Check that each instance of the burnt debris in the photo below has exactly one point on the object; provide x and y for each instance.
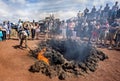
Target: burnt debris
(67, 58)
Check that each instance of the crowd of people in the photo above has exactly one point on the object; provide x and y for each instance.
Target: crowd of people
(5, 30)
(23, 31)
(99, 26)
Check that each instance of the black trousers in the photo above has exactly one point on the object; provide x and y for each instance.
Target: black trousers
(4, 35)
(33, 33)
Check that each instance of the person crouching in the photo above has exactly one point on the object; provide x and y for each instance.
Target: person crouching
(23, 37)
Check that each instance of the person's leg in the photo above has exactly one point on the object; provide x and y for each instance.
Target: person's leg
(36, 35)
(33, 33)
(89, 36)
(67, 33)
(4, 35)
(105, 40)
(110, 35)
(21, 39)
(92, 36)
(97, 38)
(111, 40)
(106, 37)
(28, 32)
(103, 37)
(46, 36)
(21, 42)
(9, 34)
(116, 41)
(26, 42)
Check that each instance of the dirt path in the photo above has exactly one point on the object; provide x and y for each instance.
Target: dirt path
(14, 65)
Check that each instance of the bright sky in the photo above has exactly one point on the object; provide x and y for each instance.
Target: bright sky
(37, 9)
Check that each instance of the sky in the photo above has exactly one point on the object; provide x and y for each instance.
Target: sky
(13, 10)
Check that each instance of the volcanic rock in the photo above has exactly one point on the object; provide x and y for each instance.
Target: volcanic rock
(67, 58)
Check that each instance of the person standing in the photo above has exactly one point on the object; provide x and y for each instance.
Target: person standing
(19, 25)
(118, 13)
(86, 11)
(23, 37)
(95, 32)
(104, 30)
(63, 28)
(37, 30)
(24, 34)
(105, 11)
(19, 28)
(3, 31)
(93, 12)
(9, 29)
(115, 9)
(112, 32)
(33, 28)
(99, 12)
(1, 34)
(5, 26)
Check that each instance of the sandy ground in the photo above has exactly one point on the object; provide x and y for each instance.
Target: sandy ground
(14, 65)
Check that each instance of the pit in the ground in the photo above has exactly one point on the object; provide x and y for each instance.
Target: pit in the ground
(67, 58)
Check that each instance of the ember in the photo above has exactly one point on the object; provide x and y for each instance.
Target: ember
(42, 57)
(66, 58)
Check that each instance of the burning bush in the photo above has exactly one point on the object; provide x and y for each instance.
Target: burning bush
(65, 58)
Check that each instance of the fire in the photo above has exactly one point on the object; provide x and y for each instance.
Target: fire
(42, 57)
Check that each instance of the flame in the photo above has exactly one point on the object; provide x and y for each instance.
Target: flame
(42, 57)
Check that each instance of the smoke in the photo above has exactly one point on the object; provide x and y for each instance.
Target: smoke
(71, 49)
